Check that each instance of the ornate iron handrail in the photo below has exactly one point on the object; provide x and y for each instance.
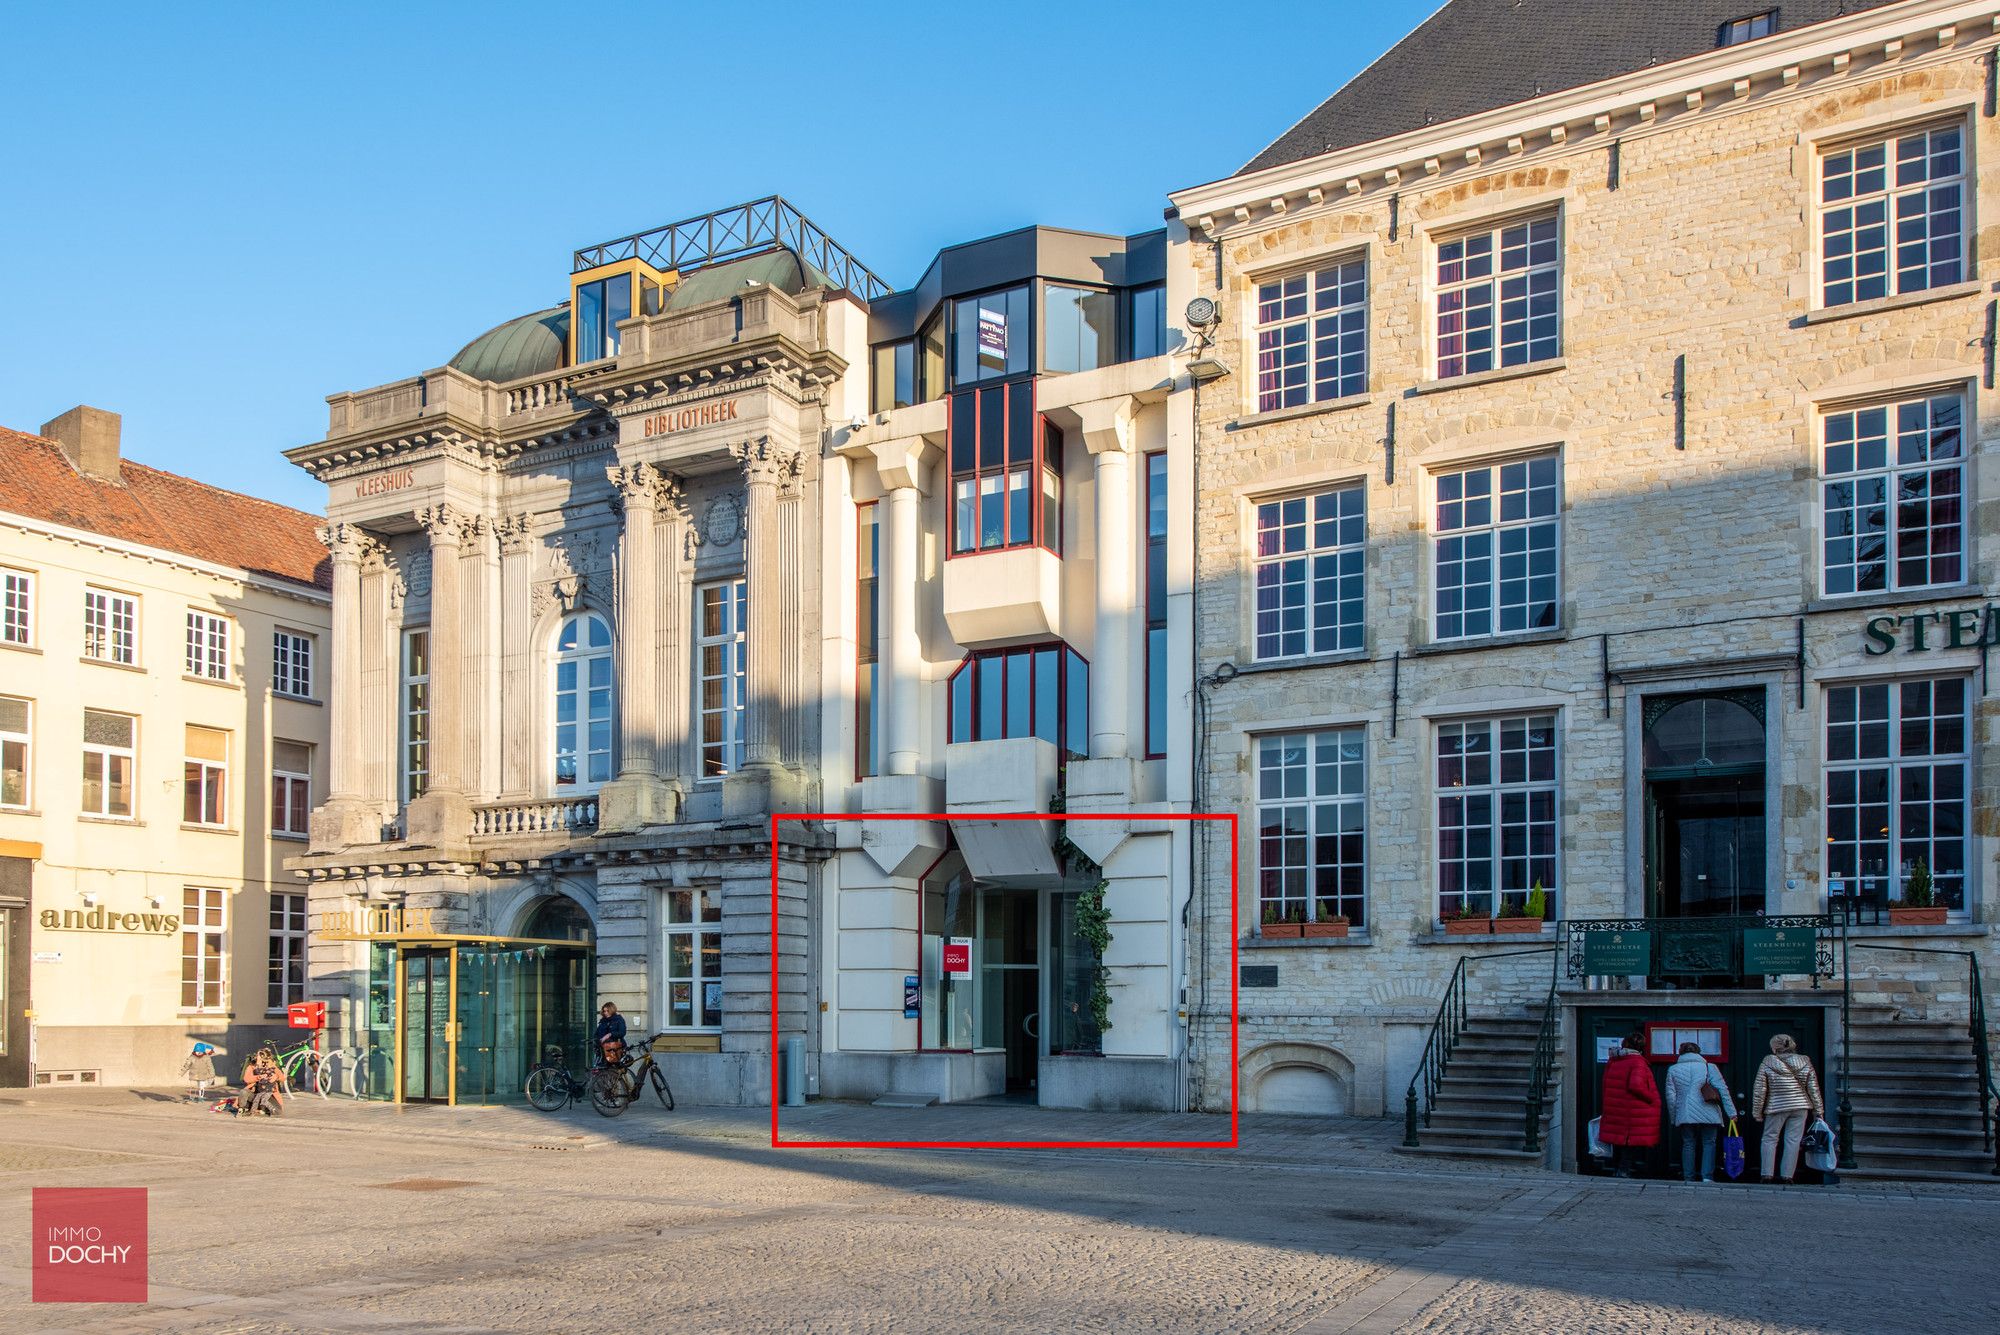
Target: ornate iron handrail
(1446, 1029)
(1702, 947)
(1981, 1050)
(735, 233)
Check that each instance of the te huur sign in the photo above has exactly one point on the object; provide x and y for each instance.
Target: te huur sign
(1780, 950)
(1920, 632)
(375, 924)
(1617, 954)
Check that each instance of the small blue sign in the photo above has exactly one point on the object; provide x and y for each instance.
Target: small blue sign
(912, 996)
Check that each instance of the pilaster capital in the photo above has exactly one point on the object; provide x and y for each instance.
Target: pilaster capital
(639, 486)
(476, 535)
(347, 543)
(442, 523)
(904, 461)
(513, 532)
(766, 463)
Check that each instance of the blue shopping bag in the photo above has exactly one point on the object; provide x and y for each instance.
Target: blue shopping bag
(1732, 1151)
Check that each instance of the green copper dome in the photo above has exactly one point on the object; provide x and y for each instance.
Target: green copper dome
(529, 345)
(776, 268)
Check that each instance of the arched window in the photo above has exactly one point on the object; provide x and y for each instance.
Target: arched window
(583, 703)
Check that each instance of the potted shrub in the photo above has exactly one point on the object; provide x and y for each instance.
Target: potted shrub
(1289, 926)
(1462, 921)
(1515, 920)
(1919, 906)
(1326, 922)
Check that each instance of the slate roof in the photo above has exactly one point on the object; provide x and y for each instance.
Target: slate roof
(1477, 55)
(158, 509)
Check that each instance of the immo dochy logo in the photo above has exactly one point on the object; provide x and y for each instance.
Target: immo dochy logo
(90, 1245)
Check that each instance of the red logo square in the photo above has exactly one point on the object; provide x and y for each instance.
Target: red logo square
(90, 1245)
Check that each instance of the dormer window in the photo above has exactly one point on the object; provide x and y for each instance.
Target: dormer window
(603, 298)
(1748, 28)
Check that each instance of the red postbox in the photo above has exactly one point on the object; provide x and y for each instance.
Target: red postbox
(306, 1015)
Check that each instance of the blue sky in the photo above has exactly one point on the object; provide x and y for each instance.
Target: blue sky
(220, 214)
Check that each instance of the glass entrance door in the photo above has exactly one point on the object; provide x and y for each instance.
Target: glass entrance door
(426, 1064)
(1010, 981)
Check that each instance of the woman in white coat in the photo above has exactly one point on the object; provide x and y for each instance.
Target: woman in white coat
(1697, 1101)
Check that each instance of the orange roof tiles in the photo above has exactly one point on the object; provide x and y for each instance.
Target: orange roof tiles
(164, 510)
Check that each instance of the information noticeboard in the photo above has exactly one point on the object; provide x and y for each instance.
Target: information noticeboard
(1780, 950)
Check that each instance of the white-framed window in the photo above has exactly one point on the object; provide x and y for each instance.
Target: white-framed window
(1892, 215)
(109, 756)
(291, 788)
(203, 949)
(1893, 495)
(207, 646)
(1312, 820)
(1312, 336)
(1496, 812)
(1499, 296)
(292, 664)
(582, 744)
(720, 613)
(17, 608)
(17, 745)
(1495, 545)
(414, 727)
(1897, 786)
(205, 777)
(285, 980)
(110, 627)
(1309, 578)
(693, 950)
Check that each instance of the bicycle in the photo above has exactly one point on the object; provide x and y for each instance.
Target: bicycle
(302, 1068)
(552, 1085)
(613, 1088)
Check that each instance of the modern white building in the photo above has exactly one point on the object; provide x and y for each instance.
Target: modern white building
(1010, 622)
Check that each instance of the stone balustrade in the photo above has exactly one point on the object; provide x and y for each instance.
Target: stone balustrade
(510, 820)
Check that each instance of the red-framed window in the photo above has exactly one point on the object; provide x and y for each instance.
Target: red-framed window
(867, 633)
(1006, 471)
(1156, 605)
(1036, 690)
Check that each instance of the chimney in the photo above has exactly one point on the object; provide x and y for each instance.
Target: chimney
(89, 438)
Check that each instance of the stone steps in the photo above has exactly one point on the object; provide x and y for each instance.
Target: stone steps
(1481, 1111)
(1912, 1086)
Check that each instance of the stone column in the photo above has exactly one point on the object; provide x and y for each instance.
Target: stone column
(673, 647)
(443, 816)
(517, 751)
(762, 783)
(903, 466)
(636, 798)
(345, 818)
(479, 649)
(1119, 616)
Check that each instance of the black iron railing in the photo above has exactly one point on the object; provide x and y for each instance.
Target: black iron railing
(1547, 1040)
(735, 233)
(1982, 1053)
(1420, 1100)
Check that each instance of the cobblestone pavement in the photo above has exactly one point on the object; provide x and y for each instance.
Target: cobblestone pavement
(361, 1218)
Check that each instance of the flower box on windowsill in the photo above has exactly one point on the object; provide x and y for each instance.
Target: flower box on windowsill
(1282, 929)
(1468, 926)
(1522, 926)
(1330, 927)
(1906, 917)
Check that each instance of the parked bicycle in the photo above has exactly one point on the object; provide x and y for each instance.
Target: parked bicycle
(303, 1068)
(552, 1085)
(614, 1086)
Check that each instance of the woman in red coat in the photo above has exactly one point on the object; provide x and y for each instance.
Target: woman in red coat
(1631, 1109)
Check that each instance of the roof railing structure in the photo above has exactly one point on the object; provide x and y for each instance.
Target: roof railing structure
(763, 225)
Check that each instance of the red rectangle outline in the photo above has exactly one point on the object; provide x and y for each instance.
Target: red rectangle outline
(1235, 1010)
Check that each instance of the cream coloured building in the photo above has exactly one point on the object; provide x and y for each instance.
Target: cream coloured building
(1590, 452)
(163, 736)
